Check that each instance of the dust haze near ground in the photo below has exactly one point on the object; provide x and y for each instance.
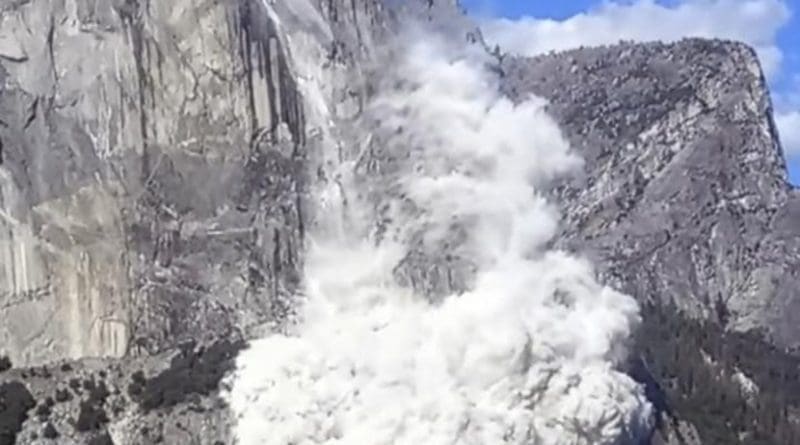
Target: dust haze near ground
(529, 353)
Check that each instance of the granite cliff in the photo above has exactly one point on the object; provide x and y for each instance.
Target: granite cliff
(686, 196)
(686, 205)
(160, 164)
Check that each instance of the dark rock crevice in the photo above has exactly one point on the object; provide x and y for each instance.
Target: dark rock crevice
(15, 403)
(193, 371)
(265, 61)
(130, 13)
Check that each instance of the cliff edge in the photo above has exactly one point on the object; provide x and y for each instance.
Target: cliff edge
(157, 161)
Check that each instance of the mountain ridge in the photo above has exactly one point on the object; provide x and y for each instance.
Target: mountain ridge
(156, 190)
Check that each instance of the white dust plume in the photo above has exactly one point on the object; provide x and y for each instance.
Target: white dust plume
(528, 356)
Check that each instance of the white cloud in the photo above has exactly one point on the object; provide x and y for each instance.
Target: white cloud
(788, 97)
(789, 131)
(755, 22)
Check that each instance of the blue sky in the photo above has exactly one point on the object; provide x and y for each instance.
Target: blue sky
(771, 26)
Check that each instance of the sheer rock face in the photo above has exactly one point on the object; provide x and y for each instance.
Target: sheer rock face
(151, 176)
(153, 159)
(156, 159)
(685, 196)
(154, 173)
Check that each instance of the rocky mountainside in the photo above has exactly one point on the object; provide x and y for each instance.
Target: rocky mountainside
(685, 197)
(686, 205)
(159, 163)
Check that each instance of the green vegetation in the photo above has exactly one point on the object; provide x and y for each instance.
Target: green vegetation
(689, 368)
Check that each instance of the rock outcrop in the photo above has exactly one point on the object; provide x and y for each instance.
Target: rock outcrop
(151, 180)
(685, 197)
(685, 204)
